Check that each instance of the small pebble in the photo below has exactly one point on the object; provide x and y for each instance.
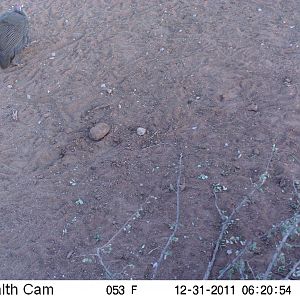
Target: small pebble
(70, 254)
(99, 131)
(141, 131)
(106, 89)
(229, 252)
(287, 81)
(79, 202)
(253, 107)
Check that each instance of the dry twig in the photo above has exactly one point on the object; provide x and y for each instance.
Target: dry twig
(234, 261)
(291, 229)
(157, 264)
(251, 270)
(107, 272)
(124, 225)
(296, 265)
(227, 221)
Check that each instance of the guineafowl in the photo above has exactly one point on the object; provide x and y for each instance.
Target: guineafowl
(14, 30)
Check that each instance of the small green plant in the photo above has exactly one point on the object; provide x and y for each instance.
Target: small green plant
(217, 188)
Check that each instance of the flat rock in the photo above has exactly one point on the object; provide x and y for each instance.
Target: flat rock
(253, 107)
(99, 131)
(141, 131)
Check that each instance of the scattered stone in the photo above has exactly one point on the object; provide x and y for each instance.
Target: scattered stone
(287, 81)
(73, 182)
(70, 254)
(15, 115)
(141, 131)
(79, 202)
(99, 131)
(217, 188)
(28, 97)
(171, 188)
(253, 107)
(106, 89)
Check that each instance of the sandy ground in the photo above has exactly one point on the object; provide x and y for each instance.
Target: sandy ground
(214, 80)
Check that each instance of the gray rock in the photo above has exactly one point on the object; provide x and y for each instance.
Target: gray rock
(253, 107)
(141, 131)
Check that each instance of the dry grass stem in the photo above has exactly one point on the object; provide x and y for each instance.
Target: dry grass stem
(157, 264)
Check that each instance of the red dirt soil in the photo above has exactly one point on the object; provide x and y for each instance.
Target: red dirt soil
(214, 80)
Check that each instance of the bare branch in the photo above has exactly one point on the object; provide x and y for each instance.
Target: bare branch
(157, 264)
(290, 230)
(229, 220)
(124, 225)
(251, 270)
(234, 261)
(224, 228)
(107, 272)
